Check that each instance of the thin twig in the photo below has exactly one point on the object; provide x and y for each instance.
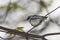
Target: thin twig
(8, 9)
(13, 31)
(50, 34)
(52, 11)
(29, 35)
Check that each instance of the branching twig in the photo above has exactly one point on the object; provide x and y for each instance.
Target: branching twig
(28, 34)
(13, 31)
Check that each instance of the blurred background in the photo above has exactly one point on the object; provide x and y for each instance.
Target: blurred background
(17, 17)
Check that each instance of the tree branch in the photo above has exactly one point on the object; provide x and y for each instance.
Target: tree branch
(51, 34)
(13, 31)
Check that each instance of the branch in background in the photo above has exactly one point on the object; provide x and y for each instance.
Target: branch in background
(51, 34)
(27, 34)
(13, 6)
(7, 10)
(13, 31)
(52, 11)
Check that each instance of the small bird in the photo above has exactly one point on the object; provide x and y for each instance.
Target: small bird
(35, 20)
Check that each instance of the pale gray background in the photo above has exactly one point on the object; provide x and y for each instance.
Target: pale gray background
(33, 8)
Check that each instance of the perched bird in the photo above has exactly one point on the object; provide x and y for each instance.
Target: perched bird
(35, 20)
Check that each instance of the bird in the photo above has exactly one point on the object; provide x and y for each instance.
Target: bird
(35, 17)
